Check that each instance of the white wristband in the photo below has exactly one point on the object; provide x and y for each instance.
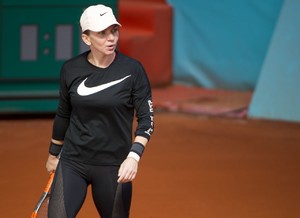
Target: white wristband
(134, 156)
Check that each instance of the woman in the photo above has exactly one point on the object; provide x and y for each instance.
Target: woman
(100, 91)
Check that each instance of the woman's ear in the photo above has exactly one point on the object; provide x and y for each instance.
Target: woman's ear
(86, 39)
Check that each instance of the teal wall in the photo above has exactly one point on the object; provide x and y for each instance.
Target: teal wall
(222, 44)
(241, 45)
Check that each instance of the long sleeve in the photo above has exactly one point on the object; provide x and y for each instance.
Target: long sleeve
(62, 118)
(142, 99)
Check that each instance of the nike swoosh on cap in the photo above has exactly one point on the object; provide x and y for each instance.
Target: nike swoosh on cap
(82, 90)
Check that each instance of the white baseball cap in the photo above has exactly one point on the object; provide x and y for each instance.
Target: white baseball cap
(97, 18)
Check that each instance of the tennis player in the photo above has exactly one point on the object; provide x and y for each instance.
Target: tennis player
(101, 91)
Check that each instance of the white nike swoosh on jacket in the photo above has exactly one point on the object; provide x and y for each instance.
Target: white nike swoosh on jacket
(82, 90)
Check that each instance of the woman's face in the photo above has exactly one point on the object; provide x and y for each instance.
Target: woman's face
(104, 42)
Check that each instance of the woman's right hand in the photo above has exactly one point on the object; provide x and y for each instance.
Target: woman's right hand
(51, 163)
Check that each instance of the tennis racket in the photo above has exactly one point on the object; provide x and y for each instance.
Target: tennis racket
(41, 208)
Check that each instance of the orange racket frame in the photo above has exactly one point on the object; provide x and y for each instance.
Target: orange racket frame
(43, 197)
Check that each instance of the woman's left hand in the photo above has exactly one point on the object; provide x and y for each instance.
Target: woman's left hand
(128, 170)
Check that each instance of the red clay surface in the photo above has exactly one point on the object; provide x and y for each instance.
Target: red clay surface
(194, 166)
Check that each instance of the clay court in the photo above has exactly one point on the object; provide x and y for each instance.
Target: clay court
(197, 165)
(207, 157)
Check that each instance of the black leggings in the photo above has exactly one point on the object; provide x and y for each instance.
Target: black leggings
(69, 190)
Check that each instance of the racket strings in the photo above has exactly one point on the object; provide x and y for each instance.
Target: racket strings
(43, 210)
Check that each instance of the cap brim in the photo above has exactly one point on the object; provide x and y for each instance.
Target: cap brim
(99, 29)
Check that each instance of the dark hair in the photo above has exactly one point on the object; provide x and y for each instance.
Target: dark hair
(87, 32)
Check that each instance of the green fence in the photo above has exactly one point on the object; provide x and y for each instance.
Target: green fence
(36, 37)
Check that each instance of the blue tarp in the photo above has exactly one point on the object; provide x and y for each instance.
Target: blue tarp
(277, 94)
(222, 44)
